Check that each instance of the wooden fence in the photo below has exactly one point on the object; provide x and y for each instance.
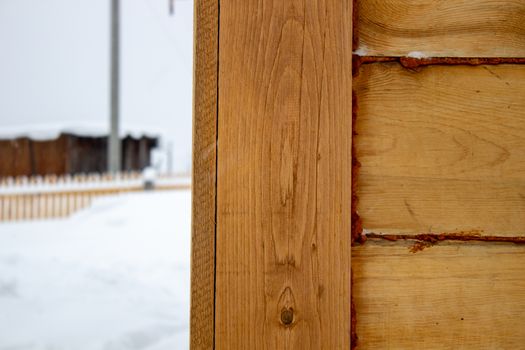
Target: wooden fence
(47, 197)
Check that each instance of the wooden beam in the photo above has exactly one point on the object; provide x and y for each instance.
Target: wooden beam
(204, 174)
(441, 149)
(459, 28)
(284, 175)
(449, 296)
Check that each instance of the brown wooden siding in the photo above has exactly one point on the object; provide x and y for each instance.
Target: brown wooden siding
(441, 183)
(69, 154)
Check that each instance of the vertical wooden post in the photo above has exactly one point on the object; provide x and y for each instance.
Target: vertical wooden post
(39, 206)
(22, 206)
(274, 273)
(31, 206)
(10, 207)
(18, 207)
(204, 174)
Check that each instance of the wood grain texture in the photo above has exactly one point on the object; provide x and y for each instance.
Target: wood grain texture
(284, 161)
(204, 174)
(441, 149)
(454, 28)
(450, 296)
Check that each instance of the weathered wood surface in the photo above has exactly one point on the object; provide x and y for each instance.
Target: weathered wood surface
(284, 169)
(455, 28)
(450, 296)
(204, 174)
(70, 154)
(442, 149)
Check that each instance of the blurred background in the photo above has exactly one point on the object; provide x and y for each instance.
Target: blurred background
(95, 162)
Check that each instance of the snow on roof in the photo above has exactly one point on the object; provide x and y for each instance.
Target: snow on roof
(51, 131)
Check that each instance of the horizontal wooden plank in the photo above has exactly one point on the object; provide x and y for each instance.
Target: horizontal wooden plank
(441, 149)
(392, 205)
(459, 28)
(450, 296)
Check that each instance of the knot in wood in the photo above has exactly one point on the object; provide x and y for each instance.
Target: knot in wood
(287, 316)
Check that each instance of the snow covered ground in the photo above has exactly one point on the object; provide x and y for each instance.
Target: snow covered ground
(115, 276)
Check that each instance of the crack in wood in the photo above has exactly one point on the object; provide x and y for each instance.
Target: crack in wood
(353, 326)
(413, 63)
(426, 240)
(357, 227)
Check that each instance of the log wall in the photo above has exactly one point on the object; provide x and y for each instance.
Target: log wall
(440, 140)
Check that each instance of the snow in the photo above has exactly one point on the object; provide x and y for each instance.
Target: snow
(112, 277)
(52, 130)
(417, 54)
(361, 51)
(149, 174)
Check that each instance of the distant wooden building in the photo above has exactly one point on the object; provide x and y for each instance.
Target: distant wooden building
(70, 154)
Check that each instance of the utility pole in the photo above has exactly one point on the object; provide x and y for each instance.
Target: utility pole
(114, 138)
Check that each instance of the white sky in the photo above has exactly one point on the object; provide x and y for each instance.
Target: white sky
(54, 65)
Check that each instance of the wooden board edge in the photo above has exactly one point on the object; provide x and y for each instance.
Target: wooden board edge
(205, 102)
